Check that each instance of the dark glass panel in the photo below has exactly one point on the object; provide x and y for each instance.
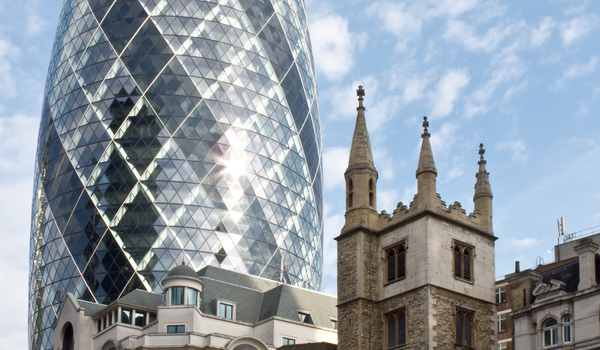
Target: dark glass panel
(122, 21)
(459, 328)
(391, 265)
(258, 11)
(391, 331)
(468, 334)
(401, 262)
(276, 46)
(140, 319)
(457, 262)
(126, 316)
(467, 264)
(402, 328)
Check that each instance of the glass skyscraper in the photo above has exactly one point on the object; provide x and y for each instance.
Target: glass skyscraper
(174, 130)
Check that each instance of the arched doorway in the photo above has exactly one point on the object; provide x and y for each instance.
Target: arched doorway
(68, 342)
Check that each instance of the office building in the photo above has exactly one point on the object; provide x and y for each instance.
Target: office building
(174, 131)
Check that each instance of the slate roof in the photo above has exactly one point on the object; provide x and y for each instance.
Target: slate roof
(568, 273)
(259, 299)
(90, 308)
(142, 298)
(256, 299)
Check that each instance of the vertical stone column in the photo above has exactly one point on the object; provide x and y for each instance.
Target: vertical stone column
(587, 263)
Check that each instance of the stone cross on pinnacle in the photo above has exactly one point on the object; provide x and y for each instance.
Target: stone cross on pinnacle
(360, 93)
(425, 126)
(481, 151)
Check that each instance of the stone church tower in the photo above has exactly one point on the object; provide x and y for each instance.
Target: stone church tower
(421, 278)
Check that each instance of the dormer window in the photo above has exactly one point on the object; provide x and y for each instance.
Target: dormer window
(226, 309)
(305, 317)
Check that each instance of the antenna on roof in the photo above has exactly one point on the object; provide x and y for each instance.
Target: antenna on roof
(561, 226)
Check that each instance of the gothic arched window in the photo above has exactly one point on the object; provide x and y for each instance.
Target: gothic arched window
(395, 258)
(463, 261)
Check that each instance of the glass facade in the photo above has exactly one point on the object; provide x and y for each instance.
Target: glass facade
(179, 130)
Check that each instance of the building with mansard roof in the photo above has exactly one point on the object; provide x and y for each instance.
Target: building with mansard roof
(211, 309)
(556, 305)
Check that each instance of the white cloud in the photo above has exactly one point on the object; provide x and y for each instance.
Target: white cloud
(8, 54)
(18, 142)
(384, 164)
(335, 162)
(541, 34)
(384, 108)
(447, 92)
(577, 71)
(35, 22)
(410, 80)
(379, 107)
(518, 148)
(404, 22)
(507, 67)
(578, 27)
(464, 34)
(15, 205)
(387, 200)
(523, 243)
(333, 45)
(344, 100)
(333, 225)
(443, 139)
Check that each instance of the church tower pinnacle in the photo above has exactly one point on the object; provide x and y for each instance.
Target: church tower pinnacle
(426, 170)
(483, 192)
(361, 175)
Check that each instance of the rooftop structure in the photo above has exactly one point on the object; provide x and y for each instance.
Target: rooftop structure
(213, 309)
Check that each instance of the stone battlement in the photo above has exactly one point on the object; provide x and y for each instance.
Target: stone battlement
(454, 212)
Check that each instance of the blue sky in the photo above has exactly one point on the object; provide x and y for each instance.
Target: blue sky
(521, 77)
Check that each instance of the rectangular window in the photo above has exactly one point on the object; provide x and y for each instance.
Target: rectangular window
(176, 329)
(152, 317)
(288, 341)
(126, 316)
(226, 310)
(395, 263)
(396, 328)
(463, 261)
(500, 295)
(502, 346)
(502, 323)
(176, 295)
(140, 319)
(464, 327)
(192, 297)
